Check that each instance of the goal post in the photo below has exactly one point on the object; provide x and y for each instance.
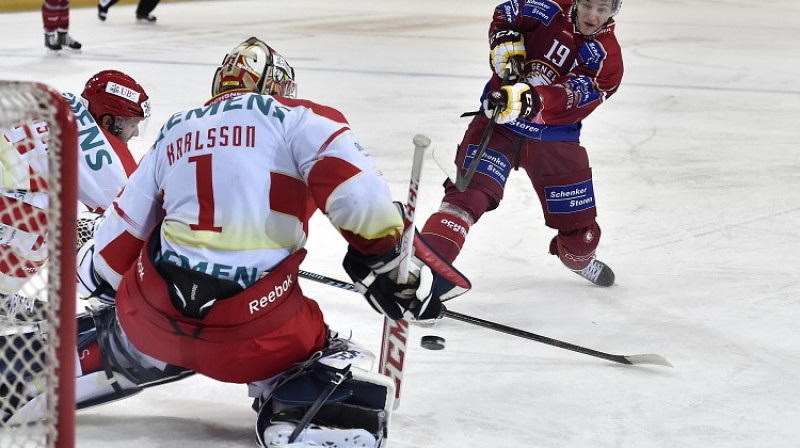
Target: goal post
(38, 208)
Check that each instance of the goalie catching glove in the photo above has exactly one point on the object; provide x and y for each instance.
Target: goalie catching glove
(431, 281)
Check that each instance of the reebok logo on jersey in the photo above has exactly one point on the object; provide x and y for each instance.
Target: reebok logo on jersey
(276, 293)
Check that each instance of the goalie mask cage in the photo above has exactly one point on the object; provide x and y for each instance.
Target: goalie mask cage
(38, 206)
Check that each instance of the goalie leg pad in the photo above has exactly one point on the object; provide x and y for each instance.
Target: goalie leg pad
(125, 372)
(278, 435)
(121, 357)
(355, 415)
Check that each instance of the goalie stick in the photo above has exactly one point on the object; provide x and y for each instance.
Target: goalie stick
(395, 332)
(649, 358)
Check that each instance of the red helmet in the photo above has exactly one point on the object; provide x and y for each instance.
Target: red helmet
(114, 93)
(253, 65)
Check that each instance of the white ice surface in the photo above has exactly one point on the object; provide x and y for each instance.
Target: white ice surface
(697, 177)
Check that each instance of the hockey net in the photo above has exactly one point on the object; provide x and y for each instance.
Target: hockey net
(38, 204)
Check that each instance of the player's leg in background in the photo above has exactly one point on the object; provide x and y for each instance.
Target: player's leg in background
(55, 16)
(144, 9)
(102, 8)
(446, 230)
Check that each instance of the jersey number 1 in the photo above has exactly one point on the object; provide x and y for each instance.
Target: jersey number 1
(205, 194)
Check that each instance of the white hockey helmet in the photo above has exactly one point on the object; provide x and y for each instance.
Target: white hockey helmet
(253, 65)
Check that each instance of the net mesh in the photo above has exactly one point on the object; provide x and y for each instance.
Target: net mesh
(31, 247)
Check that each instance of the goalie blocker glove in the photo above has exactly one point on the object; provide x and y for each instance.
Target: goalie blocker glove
(431, 281)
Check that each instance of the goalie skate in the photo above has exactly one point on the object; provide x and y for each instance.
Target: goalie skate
(18, 309)
(316, 436)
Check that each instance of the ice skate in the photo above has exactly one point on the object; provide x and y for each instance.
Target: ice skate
(145, 18)
(51, 42)
(66, 41)
(102, 12)
(16, 307)
(597, 272)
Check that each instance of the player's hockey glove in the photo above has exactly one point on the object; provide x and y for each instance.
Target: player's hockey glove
(375, 277)
(507, 54)
(90, 285)
(518, 100)
(431, 280)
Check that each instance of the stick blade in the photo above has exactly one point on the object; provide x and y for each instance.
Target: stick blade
(445, 158)
(649, 358)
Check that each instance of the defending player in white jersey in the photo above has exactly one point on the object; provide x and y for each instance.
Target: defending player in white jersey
(198, 261)
(112, 109)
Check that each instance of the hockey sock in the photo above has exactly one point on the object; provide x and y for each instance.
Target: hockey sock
(576, 248)
(51, 18)
(446, 234)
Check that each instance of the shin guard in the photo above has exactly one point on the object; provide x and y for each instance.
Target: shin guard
(446, 230)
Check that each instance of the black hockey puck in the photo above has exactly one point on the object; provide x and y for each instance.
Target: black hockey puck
(432, 342)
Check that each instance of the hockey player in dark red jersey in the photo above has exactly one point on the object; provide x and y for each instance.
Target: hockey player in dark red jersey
(554, 62)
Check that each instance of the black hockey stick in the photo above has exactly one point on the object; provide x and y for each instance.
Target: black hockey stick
(327, 281)
(462, 181)
(650, 358)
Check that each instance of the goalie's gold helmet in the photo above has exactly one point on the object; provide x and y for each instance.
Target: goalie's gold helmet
(253, 65)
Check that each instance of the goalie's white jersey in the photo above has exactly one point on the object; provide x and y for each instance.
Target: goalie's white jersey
(235, 182)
